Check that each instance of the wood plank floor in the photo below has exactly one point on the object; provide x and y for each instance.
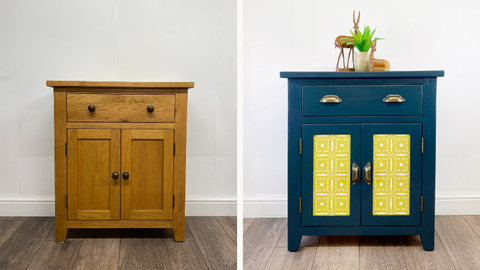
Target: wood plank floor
(29, 243)
(457, 247)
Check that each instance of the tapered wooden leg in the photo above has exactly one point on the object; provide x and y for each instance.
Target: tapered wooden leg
(428, 241)
(294, 239)
(60, 231)
(179, 231)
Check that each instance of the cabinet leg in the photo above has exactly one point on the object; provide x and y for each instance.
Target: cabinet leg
(60, 232)
(294, 240)
(179, 231)
(428, 241)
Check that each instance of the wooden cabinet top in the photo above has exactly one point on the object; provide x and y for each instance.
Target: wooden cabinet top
(362, 75)
(115, 84)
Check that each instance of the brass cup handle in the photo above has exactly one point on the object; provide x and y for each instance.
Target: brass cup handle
(331, 99)
(355, 173)
(367, 173)
(394, 99)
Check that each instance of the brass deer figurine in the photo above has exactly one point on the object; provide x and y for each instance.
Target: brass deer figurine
(378, 64)
(338, 44)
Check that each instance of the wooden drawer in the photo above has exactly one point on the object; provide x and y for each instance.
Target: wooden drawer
(120, 108)
(365, 100)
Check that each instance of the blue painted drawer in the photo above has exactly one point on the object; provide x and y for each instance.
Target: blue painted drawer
(365, 100)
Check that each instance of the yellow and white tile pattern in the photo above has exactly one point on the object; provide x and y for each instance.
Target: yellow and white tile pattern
(391, 174)
(331, 175)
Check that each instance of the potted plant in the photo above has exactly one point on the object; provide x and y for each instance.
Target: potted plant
(363, 42)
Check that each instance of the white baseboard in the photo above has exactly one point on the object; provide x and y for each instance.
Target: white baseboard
(445, 204)
(45, 206)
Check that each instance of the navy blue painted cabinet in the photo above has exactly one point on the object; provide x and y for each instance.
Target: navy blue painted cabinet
(361, 154)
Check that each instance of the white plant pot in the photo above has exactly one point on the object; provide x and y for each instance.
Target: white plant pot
(362, 61)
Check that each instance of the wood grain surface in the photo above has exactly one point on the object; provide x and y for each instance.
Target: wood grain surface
(307, 240)
(101, 84)
(337, 252)
(100, 250)
(218, 249)
(29, 243)
(260, 241)
(382, 253)
(53, 255)
(139, 249)
(8, 227)
(417, 258)
(120, 108)
(457, 246)
(181, 255)
(283, 259)
(229, 224)
(20, 249)
(460, 241)
(246, 223)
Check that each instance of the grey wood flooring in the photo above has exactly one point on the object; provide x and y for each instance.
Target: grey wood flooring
(457, 247)
(29, 243)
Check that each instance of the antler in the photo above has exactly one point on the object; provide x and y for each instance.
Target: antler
(355, 23)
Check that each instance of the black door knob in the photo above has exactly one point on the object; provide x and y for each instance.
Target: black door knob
(150, 108)
(91, 108)
(115, 175)
(126, 175)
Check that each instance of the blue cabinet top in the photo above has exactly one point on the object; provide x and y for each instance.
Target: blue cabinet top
(361, 75)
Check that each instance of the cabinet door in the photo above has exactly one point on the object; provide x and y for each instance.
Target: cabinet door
(394, 153)
(93, 156)
(147, 156)
(329, 197)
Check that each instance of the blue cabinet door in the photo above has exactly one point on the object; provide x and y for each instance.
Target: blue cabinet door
(391, 155)
(329, 197)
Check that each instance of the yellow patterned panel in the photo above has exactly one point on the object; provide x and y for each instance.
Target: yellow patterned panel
(391, 174)
(331, 175)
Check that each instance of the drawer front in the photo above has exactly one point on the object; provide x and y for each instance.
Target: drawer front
(361, 100)
(120, 108)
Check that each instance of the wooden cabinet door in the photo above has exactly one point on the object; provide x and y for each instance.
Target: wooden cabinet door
(331, 186)
(394, 153)
(147, 157)
(93, 156)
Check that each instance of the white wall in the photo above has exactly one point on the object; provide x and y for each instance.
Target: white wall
(287, 35)
(121, 40)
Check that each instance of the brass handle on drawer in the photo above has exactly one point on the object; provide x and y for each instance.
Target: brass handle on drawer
(125, 175)
(91, 108)
(367, 173)
(331, 99)
(393, 99)
(150, 108)
(355, 173)
(115, 175)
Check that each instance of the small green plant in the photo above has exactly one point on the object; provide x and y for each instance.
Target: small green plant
(361, 41)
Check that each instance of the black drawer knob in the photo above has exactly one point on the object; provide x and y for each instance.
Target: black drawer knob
(91, 108)
(150, 108)
(115, 175)
(126, 175)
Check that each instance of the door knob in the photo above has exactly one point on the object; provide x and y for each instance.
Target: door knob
(150, 108)
(115, 175)
(91, 108)
(125, 175)
(367, 173)
(355, 173)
